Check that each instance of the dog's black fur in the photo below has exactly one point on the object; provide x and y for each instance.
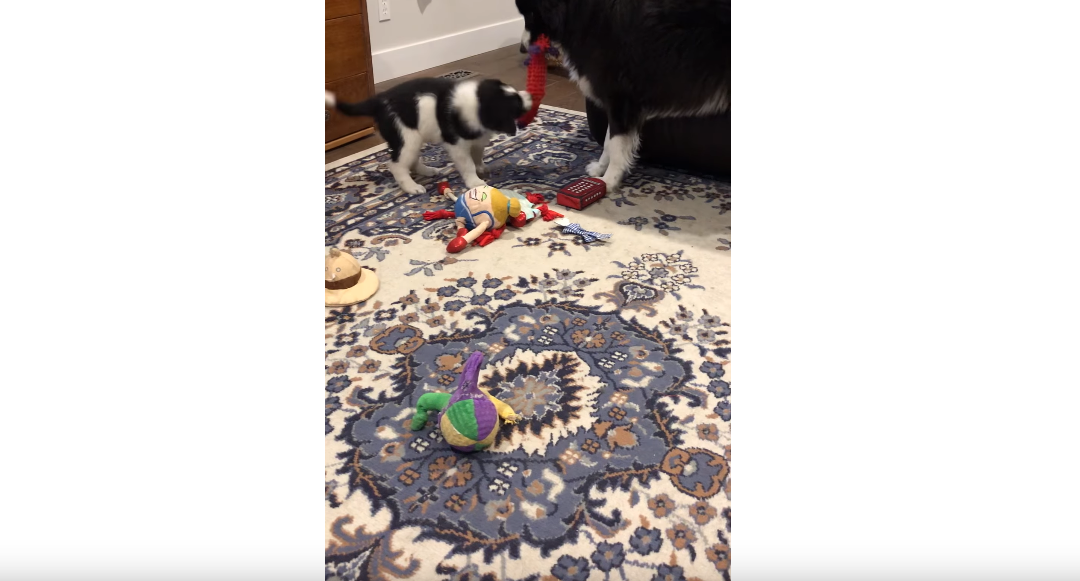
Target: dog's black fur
(640, 59)
(464, 126)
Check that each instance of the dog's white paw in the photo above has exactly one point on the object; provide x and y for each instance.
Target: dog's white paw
(425, 171)
(611, 184)
(483, 171)
(595, 169)
(413, 188)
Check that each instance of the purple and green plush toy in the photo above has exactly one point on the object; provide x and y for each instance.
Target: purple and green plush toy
(468, 417)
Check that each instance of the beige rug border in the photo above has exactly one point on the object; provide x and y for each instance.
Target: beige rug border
(383, 146)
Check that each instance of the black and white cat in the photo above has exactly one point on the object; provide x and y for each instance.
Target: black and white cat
(461, 115)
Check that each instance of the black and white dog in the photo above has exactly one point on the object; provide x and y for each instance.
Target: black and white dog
(461, 115)
(639, 60)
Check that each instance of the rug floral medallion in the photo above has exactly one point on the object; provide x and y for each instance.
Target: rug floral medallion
(616, 354)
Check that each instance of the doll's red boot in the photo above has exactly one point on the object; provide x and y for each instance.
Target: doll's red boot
(458, 244)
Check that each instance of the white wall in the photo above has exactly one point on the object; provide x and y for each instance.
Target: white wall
(426, 33)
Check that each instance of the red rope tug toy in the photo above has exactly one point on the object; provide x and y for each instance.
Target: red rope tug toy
(537, 77)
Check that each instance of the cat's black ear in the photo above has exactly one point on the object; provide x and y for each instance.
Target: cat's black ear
(500, 106)
(508, 127)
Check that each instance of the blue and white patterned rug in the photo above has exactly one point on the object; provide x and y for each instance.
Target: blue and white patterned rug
(616, 353)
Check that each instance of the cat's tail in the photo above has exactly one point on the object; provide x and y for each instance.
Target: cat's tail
(367, 108)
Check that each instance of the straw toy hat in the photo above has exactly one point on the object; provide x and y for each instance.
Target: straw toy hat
(346, 282)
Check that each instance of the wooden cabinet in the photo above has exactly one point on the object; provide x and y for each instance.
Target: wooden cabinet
(348, 68)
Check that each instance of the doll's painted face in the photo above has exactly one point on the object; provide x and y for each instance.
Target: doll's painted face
(486, 200)
(480, 198)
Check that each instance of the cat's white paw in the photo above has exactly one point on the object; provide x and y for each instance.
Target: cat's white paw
(474, 183)
(595, 169)
(413, 188)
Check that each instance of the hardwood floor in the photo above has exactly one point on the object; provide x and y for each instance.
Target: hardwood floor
(504, 64)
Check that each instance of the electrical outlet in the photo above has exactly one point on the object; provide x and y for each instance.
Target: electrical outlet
(384, 10)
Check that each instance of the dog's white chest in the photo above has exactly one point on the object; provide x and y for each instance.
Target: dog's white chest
(582, 82)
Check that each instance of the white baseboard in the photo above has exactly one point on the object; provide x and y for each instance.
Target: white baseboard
(403, 60)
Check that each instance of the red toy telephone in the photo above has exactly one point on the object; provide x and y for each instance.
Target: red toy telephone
(581, 193)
